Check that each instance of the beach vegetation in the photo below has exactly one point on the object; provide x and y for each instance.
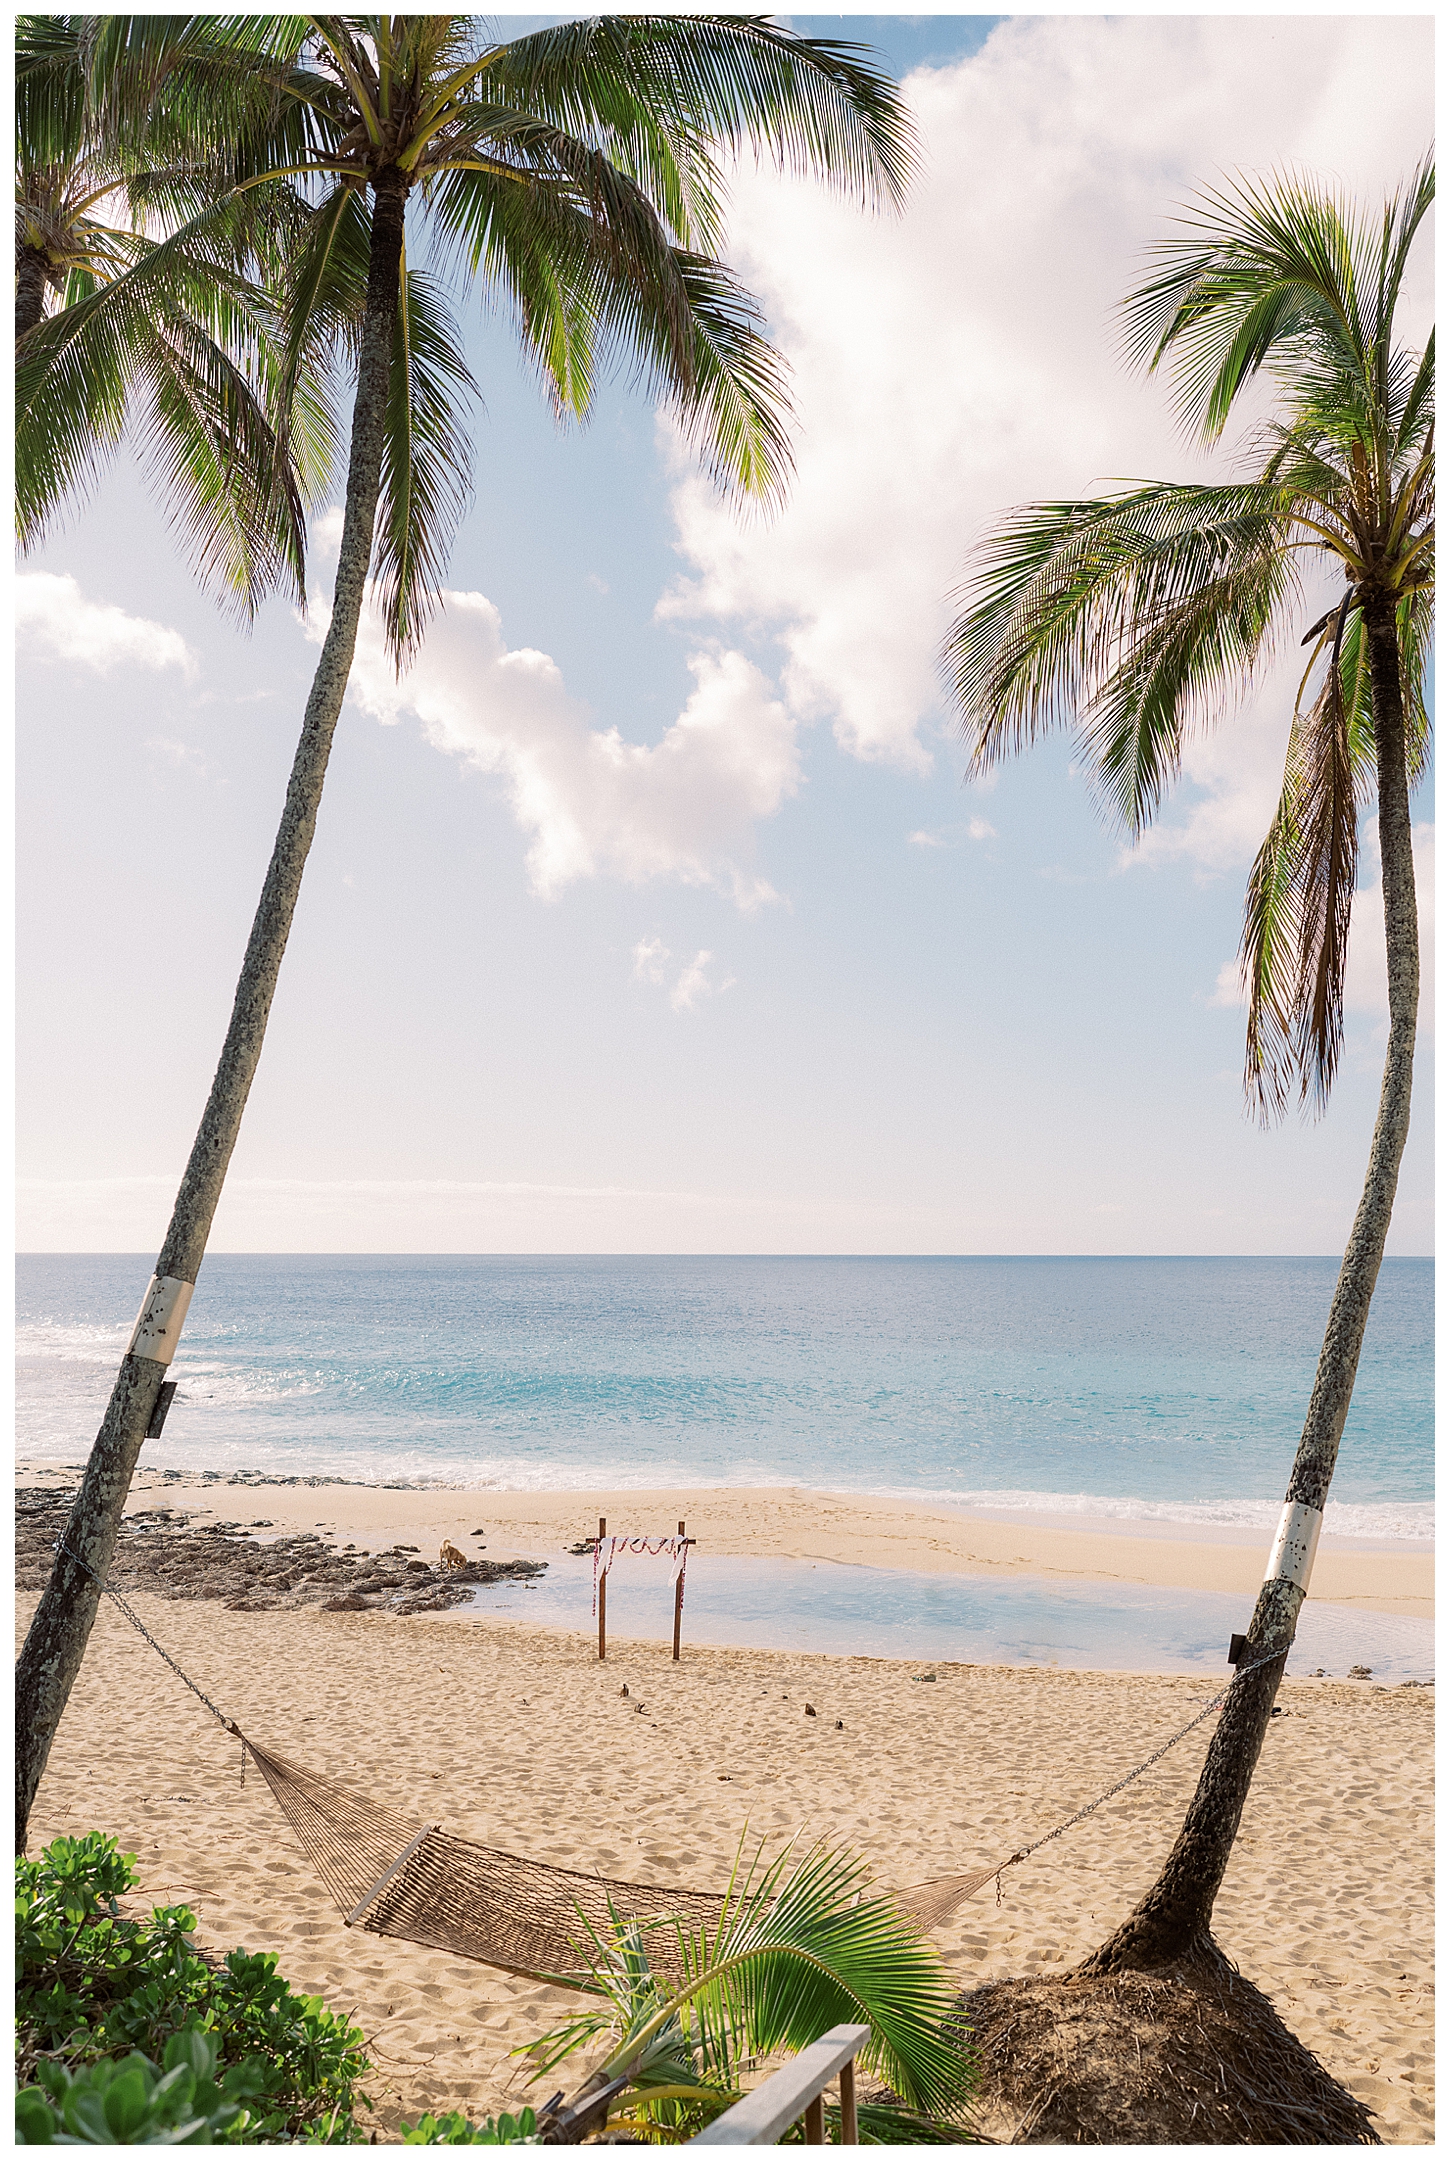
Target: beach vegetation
(1133, 617)
(132, 2102)
(574, 177)
(454, 2128)
(103, 1999)
(682, 2015)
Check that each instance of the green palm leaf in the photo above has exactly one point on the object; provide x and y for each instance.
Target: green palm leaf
(427, 462)
(1134, 617)
(800, 1945)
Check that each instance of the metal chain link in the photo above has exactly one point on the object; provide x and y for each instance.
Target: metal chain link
(1157, 1756)
(141, 1629)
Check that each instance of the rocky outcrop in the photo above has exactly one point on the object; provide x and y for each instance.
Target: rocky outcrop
(162, 1551)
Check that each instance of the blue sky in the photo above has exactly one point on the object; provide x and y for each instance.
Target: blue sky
(755, 971)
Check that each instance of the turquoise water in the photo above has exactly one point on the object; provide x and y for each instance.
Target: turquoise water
(1151, 1390)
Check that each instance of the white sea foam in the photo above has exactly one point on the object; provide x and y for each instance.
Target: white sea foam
(1393, 1520)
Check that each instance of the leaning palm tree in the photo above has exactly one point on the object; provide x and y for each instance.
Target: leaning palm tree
(801, 1944)
(138, 308)
(1132, 616)
(577, 174)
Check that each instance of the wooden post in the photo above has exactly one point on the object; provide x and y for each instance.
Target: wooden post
(850, 2135)
(816, 2120)
(679, 1598)
(603, 1582)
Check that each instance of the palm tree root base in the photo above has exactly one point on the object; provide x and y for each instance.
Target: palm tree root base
(1189, 2053)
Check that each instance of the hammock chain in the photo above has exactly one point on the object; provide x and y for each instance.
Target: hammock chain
(143, 1631)
(1024, 1852)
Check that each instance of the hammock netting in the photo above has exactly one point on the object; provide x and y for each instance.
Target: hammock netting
(390, 1875)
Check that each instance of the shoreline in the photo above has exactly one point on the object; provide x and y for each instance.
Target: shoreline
(799, 1523)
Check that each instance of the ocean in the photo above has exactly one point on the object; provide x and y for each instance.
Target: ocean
(1155, 1391)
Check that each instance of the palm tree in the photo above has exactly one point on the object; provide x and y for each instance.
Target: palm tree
(137, 306)
(577, 173)
(800, 1945)
(1130, 616)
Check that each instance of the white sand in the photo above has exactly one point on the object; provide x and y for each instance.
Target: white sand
(519, 1738)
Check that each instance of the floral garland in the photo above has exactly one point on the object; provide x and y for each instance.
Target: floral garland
(674, 1546)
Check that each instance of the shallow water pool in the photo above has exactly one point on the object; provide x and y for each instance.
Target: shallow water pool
(849, 1611)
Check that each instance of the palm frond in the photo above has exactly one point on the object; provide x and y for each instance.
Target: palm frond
(1119, 616)
(801, 1945)
(427, 462)
(813, 105)
(1301, 888)
(1257, 270)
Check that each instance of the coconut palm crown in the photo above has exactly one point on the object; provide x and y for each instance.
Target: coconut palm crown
(140, 305)
(575, 178)
(1135, 616)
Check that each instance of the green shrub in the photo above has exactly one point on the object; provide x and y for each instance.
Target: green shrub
(456, 2129)
(131, 2102)
(93, 1987)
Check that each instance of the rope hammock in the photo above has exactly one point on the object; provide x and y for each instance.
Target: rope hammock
(390, 1875)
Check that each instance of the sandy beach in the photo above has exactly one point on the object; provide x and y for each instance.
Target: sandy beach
(517, 1737)
(785, 1522)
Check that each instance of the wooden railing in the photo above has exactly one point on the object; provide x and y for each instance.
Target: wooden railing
(799, 2089)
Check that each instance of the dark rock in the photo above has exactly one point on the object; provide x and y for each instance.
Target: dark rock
(162, 1552)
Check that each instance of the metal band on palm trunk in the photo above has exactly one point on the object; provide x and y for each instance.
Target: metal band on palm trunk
(1296, 1541)
(158, 1324)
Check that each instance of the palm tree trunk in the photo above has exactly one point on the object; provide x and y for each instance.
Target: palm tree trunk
(59, 1632)
(1174, 1918)
(31, 271)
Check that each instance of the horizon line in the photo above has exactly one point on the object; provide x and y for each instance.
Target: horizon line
(419, 1253)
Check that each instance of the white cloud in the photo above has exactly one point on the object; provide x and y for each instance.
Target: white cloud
(1229, 990)
(693, 984)
(592, 803)
(180, 754)
(963, 358)
(595, 582)
(975, 828)
(327, 530)
(650, 955)
(54, 616)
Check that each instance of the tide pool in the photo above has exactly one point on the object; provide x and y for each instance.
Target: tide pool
(840, 1610)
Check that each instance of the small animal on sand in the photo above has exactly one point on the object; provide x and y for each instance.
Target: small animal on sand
(449, 1556)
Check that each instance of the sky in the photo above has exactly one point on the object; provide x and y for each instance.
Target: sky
(650, 910)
